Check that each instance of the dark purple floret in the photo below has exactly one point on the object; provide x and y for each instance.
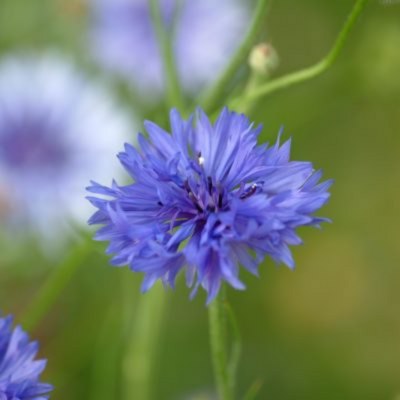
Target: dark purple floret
(206, 199)
(19, 371)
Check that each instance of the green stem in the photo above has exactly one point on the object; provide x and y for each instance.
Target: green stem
(211, 99)
(174, 95)
(218, 336)
(54, 285)
(255, 80)
(254, 390)
(236, 346)
(307, 73)
(138, 364)
(106, 358)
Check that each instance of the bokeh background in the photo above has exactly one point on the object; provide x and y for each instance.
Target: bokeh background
(331, 329)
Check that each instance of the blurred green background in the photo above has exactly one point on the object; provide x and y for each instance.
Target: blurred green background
(331, 329)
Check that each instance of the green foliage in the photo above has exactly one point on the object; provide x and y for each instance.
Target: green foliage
(328, 331)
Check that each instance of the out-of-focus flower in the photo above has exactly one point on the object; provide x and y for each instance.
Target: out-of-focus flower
(207, 199)
(56, 131)
(205, 34)
(19, 371)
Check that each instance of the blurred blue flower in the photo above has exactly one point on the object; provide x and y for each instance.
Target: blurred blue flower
(57, 130)
(207, 199)
(19, 372)
(205, 35)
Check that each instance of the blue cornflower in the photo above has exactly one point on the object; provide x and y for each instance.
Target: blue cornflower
(57, 129)
(19, 372)
(207, 199)
(204, 34)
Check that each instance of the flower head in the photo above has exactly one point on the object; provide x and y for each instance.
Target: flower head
(206, 199)
(56, 130)
(124, 41)
(19, 371)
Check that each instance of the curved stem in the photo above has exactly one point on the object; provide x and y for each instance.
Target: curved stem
(211, 99)
(54, 285)
(174, 95)
(310, 72)
(219, 349)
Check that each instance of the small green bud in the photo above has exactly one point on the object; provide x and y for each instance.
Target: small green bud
(263, 59)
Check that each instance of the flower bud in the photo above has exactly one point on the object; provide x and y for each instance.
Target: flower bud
(263, 59)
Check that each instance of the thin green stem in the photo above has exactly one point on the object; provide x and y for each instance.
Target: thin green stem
(138, 363)
(54, 285)
(307, 73)
(106, 358)
(211, 99)
(254, 390)
(255, 80)
(236, 349)
(174, 94)
(217, 320)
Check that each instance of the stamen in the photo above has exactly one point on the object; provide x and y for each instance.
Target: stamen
(192, 196)
(249, 192)
(195, 202)
(187, 187)
(220, 200)
(210, 184)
